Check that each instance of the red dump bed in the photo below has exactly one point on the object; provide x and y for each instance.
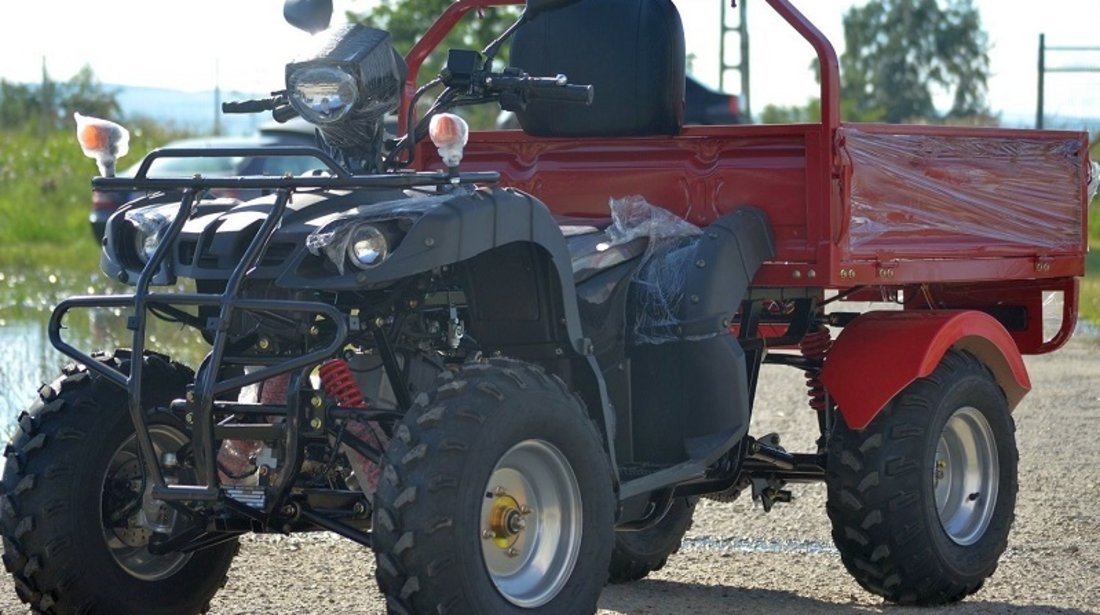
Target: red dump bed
(881, 204)
(954, 217)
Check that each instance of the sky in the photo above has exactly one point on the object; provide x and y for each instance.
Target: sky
(243, 44)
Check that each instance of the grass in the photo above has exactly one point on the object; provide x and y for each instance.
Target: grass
(45, 197)
(1089, 304)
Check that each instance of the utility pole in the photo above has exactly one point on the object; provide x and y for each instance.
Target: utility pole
(742, 67)
(1043, 70)
(217, 99)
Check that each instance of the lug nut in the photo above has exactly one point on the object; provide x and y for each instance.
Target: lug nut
(512, 552)
(487, 534)
(524, 509)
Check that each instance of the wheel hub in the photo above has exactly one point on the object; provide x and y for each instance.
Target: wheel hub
(507, 520)
(130, 515)
(531, 523)
(966, 476)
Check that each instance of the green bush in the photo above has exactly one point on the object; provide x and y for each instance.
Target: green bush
(45, 194)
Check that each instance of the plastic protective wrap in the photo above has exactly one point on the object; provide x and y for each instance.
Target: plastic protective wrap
(150, 220)
(1094, 182)
(935, 195)
(658, 285)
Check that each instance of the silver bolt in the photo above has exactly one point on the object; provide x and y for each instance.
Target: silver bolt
(487, 534)
(499, 491)
(190, 418)
(512, 552)
(521, 523)
(524, 509)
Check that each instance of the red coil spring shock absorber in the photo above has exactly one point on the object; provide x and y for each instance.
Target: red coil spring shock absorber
(339, 382)
(814, 346)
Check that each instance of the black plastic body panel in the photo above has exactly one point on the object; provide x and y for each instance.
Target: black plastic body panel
(689, 396)
(690, 393)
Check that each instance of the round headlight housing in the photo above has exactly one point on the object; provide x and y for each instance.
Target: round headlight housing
(367, 246)
(323, 94)
(145, 244)
(148, 227)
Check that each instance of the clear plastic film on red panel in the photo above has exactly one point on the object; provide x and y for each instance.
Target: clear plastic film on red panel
(922, 193)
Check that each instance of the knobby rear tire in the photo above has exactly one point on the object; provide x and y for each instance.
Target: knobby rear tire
(638, 553)
(882, 481)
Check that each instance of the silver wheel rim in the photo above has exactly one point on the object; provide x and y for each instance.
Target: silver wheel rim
(531, 523)
(129, 544)
(966, 476)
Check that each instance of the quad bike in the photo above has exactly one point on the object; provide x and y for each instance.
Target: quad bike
(449, 354)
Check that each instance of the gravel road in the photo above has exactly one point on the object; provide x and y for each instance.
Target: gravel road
(737, 559)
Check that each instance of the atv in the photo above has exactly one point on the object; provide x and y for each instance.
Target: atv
(509, 363)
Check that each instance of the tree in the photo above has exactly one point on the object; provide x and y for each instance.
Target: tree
(896, 51)
(52, 104)
(408, 20)
(84, 93)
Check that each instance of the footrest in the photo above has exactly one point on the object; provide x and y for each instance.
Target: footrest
(185, 493)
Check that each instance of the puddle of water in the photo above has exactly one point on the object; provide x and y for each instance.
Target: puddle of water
(756, 545)
(27, 359)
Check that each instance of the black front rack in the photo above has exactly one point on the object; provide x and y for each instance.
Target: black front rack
(338, 178)
(207, 387)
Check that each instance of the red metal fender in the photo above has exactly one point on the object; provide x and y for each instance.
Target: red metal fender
(881, 353)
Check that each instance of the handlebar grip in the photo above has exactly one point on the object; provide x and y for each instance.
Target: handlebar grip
(580, 94)
(283, 114)
(247, 106)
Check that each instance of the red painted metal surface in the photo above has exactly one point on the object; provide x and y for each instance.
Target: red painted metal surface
(1026, 296)
(881, 353)
(799, 174)
(802, 175)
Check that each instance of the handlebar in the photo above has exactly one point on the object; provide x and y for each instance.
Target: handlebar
(516, 89)
(557, 90)
(280, 110)
(249, 106)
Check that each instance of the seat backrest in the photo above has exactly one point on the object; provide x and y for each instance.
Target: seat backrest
(630, 51)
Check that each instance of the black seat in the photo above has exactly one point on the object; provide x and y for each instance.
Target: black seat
(630, 51)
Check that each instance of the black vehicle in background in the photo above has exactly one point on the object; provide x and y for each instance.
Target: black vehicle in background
(703, 105)
(293, 133)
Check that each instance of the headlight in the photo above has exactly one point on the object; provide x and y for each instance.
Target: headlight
(149, 224)
(367, 246)
(352, 79)
(322, 94)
